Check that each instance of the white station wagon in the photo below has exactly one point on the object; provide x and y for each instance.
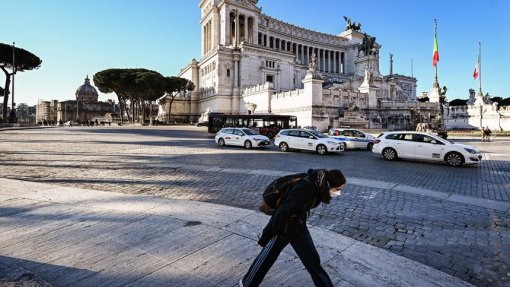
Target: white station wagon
(423, 146)
(307, 140)
(241, 137)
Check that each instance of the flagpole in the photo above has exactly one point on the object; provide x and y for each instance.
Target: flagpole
(436, 83)
(480, 66)
(412, 75)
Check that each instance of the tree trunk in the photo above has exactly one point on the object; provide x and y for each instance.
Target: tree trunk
(127, 111)
(121, 109)
(6, 94)
(150, 114)
(132, 111)
(170, 106)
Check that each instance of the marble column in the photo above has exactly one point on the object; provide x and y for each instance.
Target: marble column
(217, 27)
(228, 33)
(246, 28)
(321, 60)
(328, 61)
(307, 58)
(334, 62)
(255, 29)
(301, 58)
(237, 30)
(203, 40)
(206, 38)
(342, 63)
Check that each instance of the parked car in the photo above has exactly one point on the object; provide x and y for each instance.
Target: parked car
(352, 138)
(306, 140)
(424, 146)
(241, 137)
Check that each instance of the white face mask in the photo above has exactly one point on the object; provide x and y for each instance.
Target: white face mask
(335, 192)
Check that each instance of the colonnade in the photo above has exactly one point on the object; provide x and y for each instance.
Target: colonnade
(327, 60)
(207, 37)
(241, 28)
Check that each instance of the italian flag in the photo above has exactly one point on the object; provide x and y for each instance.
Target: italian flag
(435, 56)
(477, 68)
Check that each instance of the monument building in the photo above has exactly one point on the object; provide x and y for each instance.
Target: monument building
(479, 112)
(249, 59)
(85, 107)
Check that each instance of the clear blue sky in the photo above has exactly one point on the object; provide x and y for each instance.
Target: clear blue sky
(75, 38)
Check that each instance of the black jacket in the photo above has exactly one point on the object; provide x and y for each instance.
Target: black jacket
(303, 196)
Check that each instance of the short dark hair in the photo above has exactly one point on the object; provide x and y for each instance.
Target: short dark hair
(335, 178)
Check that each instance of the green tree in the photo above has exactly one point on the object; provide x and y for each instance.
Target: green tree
(24, 61)
(505, 102)
(458, 102)
(136, 86)
(22, 111)
(497, 100)
(110, 81)
(150, 87)
(173, 86)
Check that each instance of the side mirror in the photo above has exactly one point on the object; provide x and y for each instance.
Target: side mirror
(311, 137)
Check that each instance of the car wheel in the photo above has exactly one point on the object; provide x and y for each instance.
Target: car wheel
(270, 135)
(389, 154)
(321, 149)
(221, 142)
(454, 159)
(284, 147)
(247, 144)
(370, 146)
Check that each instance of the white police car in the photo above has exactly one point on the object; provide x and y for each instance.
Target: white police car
(306, 140)
(352, 138)
(424, 146)
(241, 137)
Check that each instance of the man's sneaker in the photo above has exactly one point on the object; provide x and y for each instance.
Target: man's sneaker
(241, 283)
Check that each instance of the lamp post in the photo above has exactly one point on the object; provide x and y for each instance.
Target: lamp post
(77, 111)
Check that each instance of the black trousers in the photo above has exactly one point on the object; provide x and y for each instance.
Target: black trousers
(302, 243)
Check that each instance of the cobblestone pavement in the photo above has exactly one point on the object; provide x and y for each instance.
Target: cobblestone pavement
(466, 241)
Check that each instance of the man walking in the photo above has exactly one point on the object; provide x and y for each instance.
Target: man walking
(288, 225)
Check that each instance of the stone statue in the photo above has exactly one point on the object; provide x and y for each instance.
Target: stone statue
(312, 67)
(351, 25)
(347, 23)
(368, 76)
(391, 64)
(366, 45)
(250, 107)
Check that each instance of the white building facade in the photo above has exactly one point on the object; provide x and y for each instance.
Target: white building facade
(479, 112)
(325, 80)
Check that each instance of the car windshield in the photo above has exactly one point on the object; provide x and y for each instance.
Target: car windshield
(250, 132)
(317, 134)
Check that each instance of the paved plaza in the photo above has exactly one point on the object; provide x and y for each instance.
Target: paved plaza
(454, 220)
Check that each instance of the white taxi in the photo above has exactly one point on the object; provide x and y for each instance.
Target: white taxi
(307, 140)
(241, 137)
(352, 138)
(424, 146)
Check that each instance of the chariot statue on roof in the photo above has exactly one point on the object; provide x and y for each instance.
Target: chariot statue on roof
(351, 25)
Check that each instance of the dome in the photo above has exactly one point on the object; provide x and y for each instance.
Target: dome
(86, 92)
